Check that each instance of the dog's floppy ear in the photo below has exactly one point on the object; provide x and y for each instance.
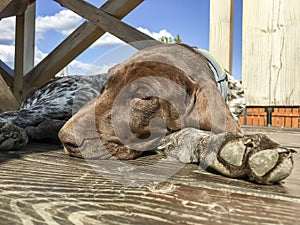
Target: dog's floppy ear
(210, 110)
(158, 96)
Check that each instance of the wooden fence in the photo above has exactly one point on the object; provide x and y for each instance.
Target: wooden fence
(270, 56)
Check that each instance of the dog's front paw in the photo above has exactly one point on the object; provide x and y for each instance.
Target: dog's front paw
(269, 165)
(254, 156)
(12, 137)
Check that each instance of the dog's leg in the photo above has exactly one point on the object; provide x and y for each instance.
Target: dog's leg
(12, 137)
(46, 130)
(26, 117)
(255, 157)
(19, 126)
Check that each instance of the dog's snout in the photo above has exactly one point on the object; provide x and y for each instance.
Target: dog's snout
(69, 143)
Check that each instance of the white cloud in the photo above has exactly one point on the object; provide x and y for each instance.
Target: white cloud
(155, 35)
(109, 40)
(65, 21)
(7, 30)
(79, 68)
(7, 54)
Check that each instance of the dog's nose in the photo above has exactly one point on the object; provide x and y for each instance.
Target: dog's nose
(69, 143)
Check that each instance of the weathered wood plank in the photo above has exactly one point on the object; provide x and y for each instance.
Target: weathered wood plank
(13, 7)
(74, 44)
(19, 57)
(24, 49)
(42, 185)
(4, 4)
(7, 74)
(110, 24)
(29, 37)
(7, 99)
(271, 52)
(64, 190)
(221, 31)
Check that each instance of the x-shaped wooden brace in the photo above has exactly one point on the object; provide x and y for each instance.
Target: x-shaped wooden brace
(105, 19)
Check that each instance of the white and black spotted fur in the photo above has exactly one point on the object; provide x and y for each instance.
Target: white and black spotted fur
(235, 96)
(55, 100)
(46, 110)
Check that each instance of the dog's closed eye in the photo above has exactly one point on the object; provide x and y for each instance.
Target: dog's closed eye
(144, 94)
(146, 98)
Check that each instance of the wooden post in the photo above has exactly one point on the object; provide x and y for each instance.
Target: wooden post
(24, 48)
(29, 37)
(271, 52)
(221, 31)
(19, 58)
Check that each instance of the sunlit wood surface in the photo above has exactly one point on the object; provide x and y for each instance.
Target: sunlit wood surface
(42, 185)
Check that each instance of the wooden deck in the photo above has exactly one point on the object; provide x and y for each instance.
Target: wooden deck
(42, 185)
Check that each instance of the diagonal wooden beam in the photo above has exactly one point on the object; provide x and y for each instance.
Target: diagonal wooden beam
(7, 99)
(110, 23)
(74, 44)
(13, 7)
(7, 74)
(4, 4)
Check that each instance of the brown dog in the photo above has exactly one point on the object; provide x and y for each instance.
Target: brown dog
(158, 92)
(171, 82)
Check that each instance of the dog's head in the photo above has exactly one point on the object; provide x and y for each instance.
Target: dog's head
(157, 91)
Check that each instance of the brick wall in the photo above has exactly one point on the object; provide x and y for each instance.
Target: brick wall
(281, 117)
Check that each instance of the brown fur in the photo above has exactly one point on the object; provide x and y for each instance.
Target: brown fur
(188, 97)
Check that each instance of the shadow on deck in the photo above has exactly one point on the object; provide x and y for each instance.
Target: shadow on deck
(42, 185)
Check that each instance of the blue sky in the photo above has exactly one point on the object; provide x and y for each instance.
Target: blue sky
(188, 18)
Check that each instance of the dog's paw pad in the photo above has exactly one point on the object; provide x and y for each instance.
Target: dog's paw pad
(249, 157)
(230, 158)
(281, 171)
(271, 166)
(262, 162)
(233, 153)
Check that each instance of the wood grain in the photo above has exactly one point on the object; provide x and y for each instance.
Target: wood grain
(7, 99)
(13, 7)
(271, 51)
(24, 49)
(7, 74)
(221, 31)
(4, 4)
(42, 185)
